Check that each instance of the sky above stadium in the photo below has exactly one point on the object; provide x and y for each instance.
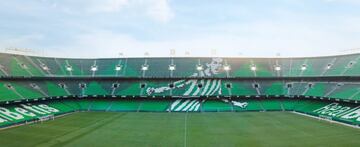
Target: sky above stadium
(105, 28)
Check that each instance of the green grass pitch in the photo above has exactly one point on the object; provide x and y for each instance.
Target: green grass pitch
(182, 129)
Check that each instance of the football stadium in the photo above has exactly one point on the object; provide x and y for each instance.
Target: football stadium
(174, 73)
(175, 101)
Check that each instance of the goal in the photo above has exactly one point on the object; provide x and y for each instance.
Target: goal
(45, 118)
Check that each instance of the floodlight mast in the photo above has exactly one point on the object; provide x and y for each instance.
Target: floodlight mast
(303, 67)
(94, 68)
(277, 67)
(118, 67)
(328, 66)
(253, 68)
(227, 68)
(145, 66)
(172, 66)
(69, 68)
(199, 67)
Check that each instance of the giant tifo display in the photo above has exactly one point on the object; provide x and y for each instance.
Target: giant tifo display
(32, 88)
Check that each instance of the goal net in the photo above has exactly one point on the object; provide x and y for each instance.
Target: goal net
(45, 118)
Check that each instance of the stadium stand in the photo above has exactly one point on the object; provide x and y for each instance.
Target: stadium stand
(311, 85)
(17, 90)
(19, 65)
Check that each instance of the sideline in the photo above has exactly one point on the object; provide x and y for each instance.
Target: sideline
(36, 121)
(331, 121)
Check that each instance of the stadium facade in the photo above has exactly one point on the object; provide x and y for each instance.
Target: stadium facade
(35, 87)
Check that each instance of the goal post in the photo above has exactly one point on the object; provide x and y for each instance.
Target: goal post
(46, 118)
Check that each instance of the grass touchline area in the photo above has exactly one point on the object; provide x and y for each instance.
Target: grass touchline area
(182, 129)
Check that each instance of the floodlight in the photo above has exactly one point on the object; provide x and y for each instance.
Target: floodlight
(44, 67)
(256, 85)
(199, 67)
(253, 67)
(303, 67)
(115, 85)
(23, 66)
(339, 84)
(33, 85)
(9, 86)
(228, 85)
(94, 68)
(62, 85)
(68, 68)
(329, 66)
(277, 68)
(227, 67)
(118, 67)
(145, 67)
(289, 85)
(171, 85)
(82, 85)
(350, 64)
(172, 67)
(310, 85)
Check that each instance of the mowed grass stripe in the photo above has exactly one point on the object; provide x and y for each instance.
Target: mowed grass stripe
(66, 138)
(36, 134)
(167, 129)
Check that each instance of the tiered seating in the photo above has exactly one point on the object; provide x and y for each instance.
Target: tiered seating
(243, 88)
(252, 105)
(8, 94)
(154, 105)
(72, 103)
(185, 67)
(297, 88)
(355, 68)
(55, 68)
(185, 105)
(37, 110)
(241, 67)
(133, 67)
(11, 90)
(73, 88)
(340, 66)
(316, 66)
(125, 105)
(158, 67)
(100, 105)
(64, 108)
(345, 112)
(271, 105)
(130, 89)
(289, 104)
(84, 105)
(216, 106)
(26, 91)
(19, 65)
(107, 67)
(320, 89)
(273, 88)
(347, 91)
(52, 89)
(94, 88)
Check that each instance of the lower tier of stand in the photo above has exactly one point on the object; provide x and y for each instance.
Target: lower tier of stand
(22, 113)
